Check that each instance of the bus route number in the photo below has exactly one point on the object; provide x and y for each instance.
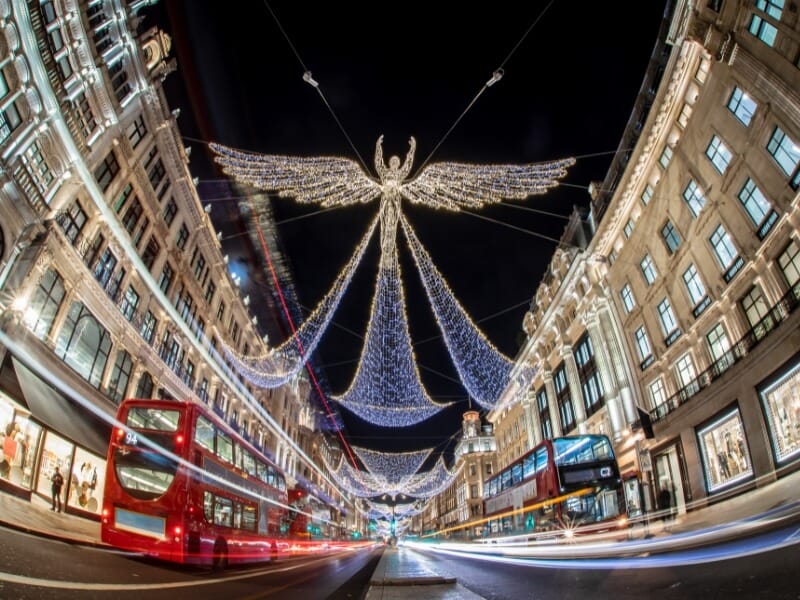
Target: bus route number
(131, 438)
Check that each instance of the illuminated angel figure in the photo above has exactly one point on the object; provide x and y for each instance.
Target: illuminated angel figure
(335, 181)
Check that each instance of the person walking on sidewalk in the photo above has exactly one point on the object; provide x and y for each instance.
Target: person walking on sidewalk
(56, 481)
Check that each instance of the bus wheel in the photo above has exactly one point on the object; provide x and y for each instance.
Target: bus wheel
(220, 560)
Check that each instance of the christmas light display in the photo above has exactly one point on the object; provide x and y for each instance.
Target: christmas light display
(394, 470)
(364, 484)
(284, 362)
(483, 371)
(386, 389)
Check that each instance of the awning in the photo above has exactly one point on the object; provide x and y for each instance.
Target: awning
(64, 416)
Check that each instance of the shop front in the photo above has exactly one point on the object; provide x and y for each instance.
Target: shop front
(724, 454)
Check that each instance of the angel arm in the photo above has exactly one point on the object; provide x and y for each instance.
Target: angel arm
(406, 168)
(326, 180)
(380, 166)
(457, 185)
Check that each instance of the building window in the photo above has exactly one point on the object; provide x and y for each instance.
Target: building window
(38, 168)
(643, 344)
(782, 408)
(666, 157)
(123, 198)
(45, 304)
(742, 106)
(648, 269)
(132, 215)
(72, 221)
(695, 289)
(210, 289)
(757, 207)
(119, 81)
(145, 387)
(647, 194)
(666, 317)
(84, 344)
(723, 451)
(136, 131)
(120, 375)
(183, 237)
(106, 171)
(754, 306)
(151, 252)
(786, 153)
(202, 390)
(86, 118)
(702, 70)
(684, 369)
(591, 385)
(544, 414)
(718, 343)
(148, 329)
(105, 267)
(129, 303)
(628, 301)
(141, 231)
(199, 265)
(685, 115)
(719, 155)
(170, 210)
(762, 29)
(658, 394)
(671, 237)
(789, 262)
(628, 229)
(726, 252)
(220, 311)
(694, 197)
(93, 250)
(564, 399)
(165, 280)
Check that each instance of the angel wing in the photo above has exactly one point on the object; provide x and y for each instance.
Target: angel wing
(327, 180)
(457, 185)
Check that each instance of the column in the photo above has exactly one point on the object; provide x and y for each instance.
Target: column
(617, 362)
(609, 381)
(533, 428)
(552, 404)
(574, 383)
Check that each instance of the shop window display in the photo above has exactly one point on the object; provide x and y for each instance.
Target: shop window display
(56, 452)
(724, 452)
(86, 482)
(19, 439)
(781, 401)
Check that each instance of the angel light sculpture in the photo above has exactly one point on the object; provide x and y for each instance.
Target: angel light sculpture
(386, 388)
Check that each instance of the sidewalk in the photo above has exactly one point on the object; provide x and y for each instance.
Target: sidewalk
(36, 517)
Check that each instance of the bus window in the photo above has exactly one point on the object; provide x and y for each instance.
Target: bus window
(541, 459)
(224, 447)
(204, 433)
(528, 466)
(223, 511)
(248, 462)
(155, 419)
(249, 517)
(270, 475)
(516, 474)
(281, 482)
(208, 506)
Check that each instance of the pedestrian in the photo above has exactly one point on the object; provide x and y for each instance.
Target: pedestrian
(56, 483)
(665, 502)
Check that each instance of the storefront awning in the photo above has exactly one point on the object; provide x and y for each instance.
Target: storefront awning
(61, 414)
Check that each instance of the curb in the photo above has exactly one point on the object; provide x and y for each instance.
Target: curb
(399, 581)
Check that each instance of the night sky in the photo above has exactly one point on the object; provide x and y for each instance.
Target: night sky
(403, 69)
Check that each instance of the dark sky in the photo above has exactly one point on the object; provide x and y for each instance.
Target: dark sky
(403, 69)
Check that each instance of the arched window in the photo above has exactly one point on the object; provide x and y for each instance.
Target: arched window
(120, 375)
(145, 387)
(84, 344)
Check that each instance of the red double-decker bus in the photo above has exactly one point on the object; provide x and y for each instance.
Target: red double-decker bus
(181, 485)
(564, 485)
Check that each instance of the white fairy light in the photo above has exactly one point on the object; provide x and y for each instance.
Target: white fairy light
(482, 369)
(387, 389)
